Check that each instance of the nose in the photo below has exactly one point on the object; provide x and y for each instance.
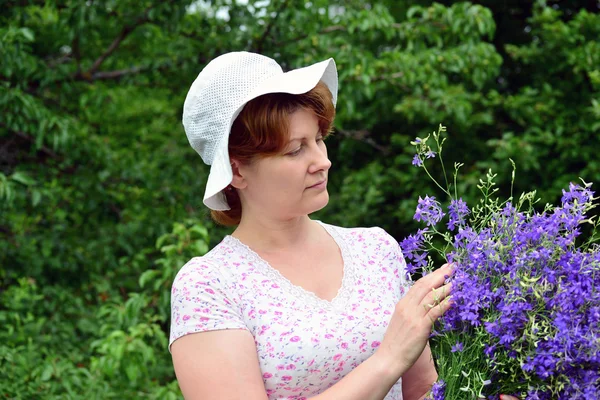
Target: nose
(320, 161)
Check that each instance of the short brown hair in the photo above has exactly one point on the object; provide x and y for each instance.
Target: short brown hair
(262, 130)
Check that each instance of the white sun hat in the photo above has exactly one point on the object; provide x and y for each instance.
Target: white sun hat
(219, 94)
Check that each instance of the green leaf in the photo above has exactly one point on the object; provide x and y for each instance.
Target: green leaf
(47, 372)
(27, 34)
(36, 197)
(22, 178)
(147, 276)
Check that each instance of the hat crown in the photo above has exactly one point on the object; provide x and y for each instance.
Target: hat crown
(217, 95)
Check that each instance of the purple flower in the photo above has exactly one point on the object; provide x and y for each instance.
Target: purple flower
(429, 211)
(417, 161)
(524, 292)
(437, 391)
(457, 211)
(457, 347)
(576, 195)
(414, 250)
(489, 350)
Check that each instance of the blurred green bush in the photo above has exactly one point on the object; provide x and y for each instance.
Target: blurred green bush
(101, 196)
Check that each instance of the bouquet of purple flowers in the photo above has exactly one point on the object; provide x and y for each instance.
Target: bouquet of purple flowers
(526, 290)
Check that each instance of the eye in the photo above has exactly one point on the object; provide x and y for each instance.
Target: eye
(295, 152)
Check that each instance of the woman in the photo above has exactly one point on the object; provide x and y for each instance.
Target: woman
(287, 307)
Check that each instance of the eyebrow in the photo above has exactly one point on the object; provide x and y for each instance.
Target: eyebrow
(304, 137)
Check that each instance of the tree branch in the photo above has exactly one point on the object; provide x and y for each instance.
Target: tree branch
(116, 74)
(362, 135)
(395, 75)
(127, 29)
(261, 41)
(43, 149)
(64, 59)
(49, 152)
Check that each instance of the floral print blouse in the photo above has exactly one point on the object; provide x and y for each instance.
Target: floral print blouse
(305, 344)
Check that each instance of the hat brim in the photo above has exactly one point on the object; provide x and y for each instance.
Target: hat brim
(297, 81)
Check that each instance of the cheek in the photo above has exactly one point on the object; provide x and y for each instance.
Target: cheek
(279, 177)
(288, 178)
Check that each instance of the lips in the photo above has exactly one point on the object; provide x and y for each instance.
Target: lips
(318, 183)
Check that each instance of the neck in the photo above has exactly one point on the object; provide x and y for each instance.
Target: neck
(266, 235)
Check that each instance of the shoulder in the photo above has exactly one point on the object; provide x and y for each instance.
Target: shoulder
(201, 270)
(366, 235)
(366, 240)
(195, 266)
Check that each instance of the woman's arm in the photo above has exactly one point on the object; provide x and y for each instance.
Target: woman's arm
(417, 381)
(371, 380)
(221, 364)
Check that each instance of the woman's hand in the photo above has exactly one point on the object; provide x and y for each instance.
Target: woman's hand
(507, 397)
(413, 318)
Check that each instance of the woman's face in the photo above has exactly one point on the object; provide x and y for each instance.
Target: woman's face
(293, 183)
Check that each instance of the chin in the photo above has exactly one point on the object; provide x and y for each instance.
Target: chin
(320, 203)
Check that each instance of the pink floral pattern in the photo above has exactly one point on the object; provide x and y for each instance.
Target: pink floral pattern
(304, 344)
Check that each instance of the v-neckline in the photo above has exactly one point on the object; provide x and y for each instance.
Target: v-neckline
(308, 297)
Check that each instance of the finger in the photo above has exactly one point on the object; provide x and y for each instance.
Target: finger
(507, 397)
(436, 296)
(437, 311)
(432, 281)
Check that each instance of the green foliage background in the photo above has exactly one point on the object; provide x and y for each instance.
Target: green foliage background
(101, 196)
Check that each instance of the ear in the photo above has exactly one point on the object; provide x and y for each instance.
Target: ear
(238, 180)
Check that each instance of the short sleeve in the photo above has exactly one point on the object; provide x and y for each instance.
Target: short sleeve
(201, 301)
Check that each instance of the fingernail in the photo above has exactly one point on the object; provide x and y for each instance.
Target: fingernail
(449, 267)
